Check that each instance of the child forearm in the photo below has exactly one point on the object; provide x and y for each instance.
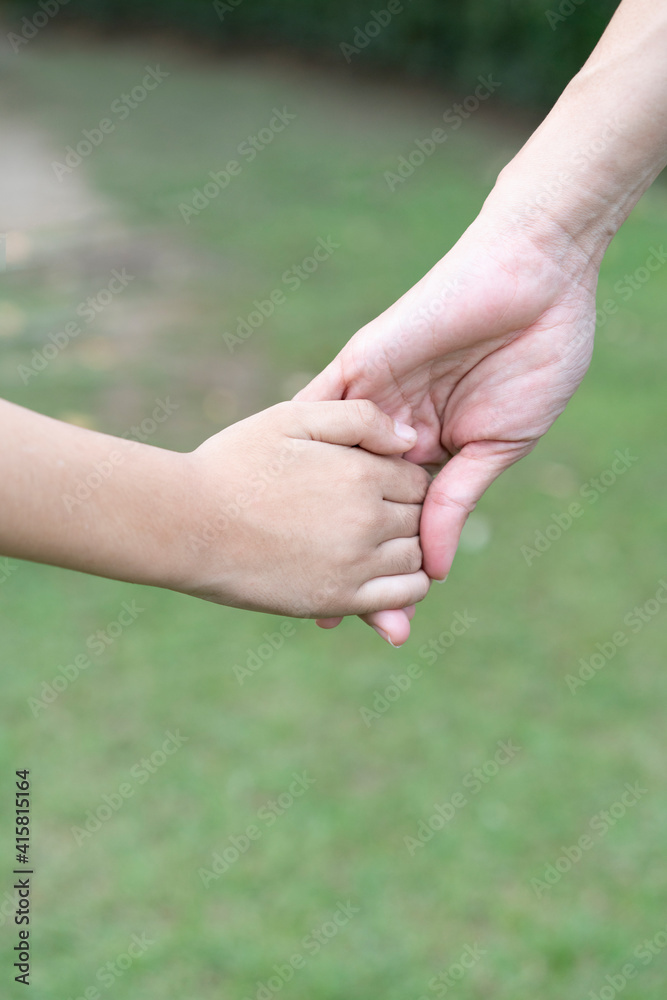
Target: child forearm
(87, 501)
(281, 512)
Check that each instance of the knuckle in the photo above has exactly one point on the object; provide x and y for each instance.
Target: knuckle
(362, 470)
(414, 480)
(412, 516)
(365, 524)
(442, 499)
(366, 411)
(410, 560)
(416, 558)
(284, 412)
(422, 481)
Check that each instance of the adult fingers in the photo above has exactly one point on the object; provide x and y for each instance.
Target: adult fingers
(392, 626)
(454, 493)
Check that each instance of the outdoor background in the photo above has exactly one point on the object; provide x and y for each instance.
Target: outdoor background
(176, 667)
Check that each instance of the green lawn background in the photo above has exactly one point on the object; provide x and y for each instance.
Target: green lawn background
(173, 669)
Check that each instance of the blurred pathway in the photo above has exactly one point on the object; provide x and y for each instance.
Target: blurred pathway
(63, 240)
(32, 199)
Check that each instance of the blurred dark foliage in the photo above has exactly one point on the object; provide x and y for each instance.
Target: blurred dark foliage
(532, 46)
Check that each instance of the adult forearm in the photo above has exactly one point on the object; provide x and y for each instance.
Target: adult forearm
(579, 175)
(87, 501)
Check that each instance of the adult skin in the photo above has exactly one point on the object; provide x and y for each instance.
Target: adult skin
(484, 352)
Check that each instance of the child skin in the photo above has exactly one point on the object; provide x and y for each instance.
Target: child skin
(304, 509)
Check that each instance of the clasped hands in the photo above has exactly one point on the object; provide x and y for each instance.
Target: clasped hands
(320, 507)
(478, 359)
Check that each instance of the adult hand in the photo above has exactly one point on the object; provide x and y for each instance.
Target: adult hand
(484, 352)
(480, 357)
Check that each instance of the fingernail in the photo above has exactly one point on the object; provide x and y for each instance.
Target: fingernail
(383, 635)
(436, 580)
(405, 432)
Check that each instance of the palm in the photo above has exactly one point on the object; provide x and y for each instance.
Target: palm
(480, 357)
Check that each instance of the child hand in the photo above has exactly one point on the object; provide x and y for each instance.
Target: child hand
(288, 516)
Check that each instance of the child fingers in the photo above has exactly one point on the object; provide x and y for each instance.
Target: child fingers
(392, 625)
(396, 556)
(399, 520)
(352, 422)
(386, 592)
(328, 622)
(403, 482)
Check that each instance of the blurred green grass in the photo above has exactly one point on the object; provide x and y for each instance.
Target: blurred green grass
(173, 669)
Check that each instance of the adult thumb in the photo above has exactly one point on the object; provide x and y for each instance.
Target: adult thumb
(353, 422)
(454, 493)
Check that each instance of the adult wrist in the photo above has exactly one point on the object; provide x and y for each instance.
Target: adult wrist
(562, 219)
(577, 178)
